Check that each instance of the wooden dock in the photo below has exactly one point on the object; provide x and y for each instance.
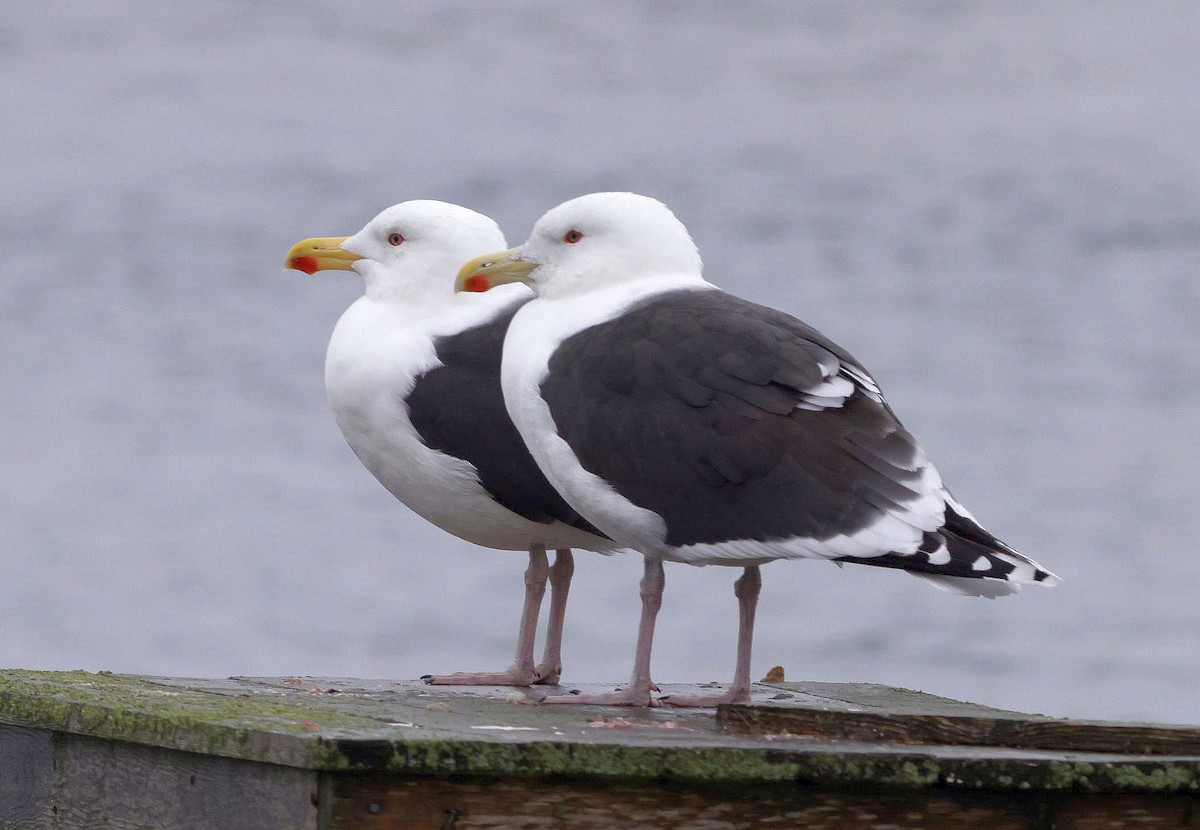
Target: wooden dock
(101, 750)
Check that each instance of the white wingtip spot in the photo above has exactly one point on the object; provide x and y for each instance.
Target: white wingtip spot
(941, 556)
(1049, 580)
(967, 587)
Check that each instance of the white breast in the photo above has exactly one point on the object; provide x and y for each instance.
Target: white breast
(374, 357)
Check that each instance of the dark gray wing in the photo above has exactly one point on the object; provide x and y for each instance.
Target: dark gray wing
(734, 421)
(458, 408)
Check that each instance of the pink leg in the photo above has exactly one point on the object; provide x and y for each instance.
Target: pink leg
(550, 669)
(746, 589)
(522, 671)
(637, 693)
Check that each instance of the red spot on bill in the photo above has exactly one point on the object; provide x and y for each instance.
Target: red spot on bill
(307, 264)
(477, 283)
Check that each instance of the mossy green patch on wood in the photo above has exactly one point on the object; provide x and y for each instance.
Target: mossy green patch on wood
(554, 759)
(140, 711)
(405, 728)
(1128, 777)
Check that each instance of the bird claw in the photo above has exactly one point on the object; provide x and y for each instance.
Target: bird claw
(632, 695)
(547, 676)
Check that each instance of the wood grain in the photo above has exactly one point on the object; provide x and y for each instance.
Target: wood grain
(378, 804)
(121, 787)
(100, 750)
(933, 728)
(26, 775)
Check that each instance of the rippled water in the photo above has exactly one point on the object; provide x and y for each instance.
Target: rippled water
(995, 206)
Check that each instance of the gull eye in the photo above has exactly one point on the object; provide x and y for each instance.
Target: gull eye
(395, 238)
(572, 236)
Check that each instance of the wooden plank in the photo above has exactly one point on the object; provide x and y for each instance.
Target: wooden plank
(120, 786)
(70, 781)
(910, 718)
(428, 804)
(26, 777)
(424, 804)
(406, 729)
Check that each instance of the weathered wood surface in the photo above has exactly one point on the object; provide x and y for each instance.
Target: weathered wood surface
(862, 712)
(425, 804)
(82, 749)
(71, 781)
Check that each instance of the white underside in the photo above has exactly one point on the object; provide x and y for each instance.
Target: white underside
(377, 351)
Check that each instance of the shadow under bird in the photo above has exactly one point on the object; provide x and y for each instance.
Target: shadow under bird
(699, 427)
(413, 376)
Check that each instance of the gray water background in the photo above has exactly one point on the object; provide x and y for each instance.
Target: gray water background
(995, 206)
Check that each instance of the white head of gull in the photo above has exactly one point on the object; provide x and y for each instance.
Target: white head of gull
(412, 375)
(699, 427)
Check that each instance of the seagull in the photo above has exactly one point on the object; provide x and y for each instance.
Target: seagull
(695, 426)
(413, 376)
